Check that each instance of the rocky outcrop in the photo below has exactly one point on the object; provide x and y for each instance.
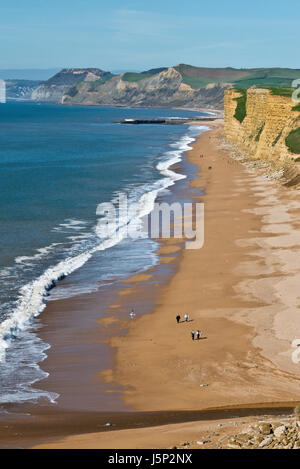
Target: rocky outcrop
(266, 435)
(164, 89)
(53, 89)
(268, 121)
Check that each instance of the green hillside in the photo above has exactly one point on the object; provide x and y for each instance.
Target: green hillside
(199, 77)
(94, 84)
(135, 77)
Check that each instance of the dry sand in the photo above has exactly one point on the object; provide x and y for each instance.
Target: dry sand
(241, 289)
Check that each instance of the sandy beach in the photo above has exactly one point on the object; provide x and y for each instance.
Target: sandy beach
(240, 290)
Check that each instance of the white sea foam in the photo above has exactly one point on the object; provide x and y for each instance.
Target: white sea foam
(41, 252)
(80, 237)
(33, 295)
(5, 272)
(19, 377)
(173, 157)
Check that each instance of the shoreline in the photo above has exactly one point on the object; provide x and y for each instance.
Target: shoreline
(228, 327)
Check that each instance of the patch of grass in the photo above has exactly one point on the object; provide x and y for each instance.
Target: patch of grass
(135, 77)
(297, 160)
(296, 108)
(285, 92)
(154, 71)
(260, 132)
(241, 112)
(293, 141)
(263, 82)
(196, 82)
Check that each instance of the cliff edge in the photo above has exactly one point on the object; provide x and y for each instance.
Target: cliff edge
(265, 123)
(53, 89)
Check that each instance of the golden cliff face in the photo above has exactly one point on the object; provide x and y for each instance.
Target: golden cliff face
(263, 132)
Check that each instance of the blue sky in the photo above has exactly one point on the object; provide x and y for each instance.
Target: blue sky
(117, 35)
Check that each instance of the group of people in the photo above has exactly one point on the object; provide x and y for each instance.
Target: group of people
(186, 318)
(194, 334)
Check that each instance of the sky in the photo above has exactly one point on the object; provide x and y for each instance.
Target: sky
(119, 35)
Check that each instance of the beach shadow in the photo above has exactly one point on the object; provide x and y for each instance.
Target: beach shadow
(202, 338)
(183, 321)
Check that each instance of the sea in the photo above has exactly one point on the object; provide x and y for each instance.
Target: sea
(57, 164)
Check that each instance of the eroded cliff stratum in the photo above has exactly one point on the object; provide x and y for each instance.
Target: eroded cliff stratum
(265, 123)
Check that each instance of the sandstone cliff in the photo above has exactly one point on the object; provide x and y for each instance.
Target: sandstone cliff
(263, 130)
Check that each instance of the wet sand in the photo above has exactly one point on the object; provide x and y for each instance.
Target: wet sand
(195, 430)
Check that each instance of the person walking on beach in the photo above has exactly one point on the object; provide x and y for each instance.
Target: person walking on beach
(132, 314)
(178, 318)
(193, 335)
(199, 334)
(186, 317)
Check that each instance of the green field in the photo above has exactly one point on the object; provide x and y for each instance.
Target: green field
(135, 77)
(199, 77)
(285, 92)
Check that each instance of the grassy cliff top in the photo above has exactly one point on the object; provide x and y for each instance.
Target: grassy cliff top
(199, 77)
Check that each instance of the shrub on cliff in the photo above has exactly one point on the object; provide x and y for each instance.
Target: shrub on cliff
(241, 112)
(293, 141)
(285, 92)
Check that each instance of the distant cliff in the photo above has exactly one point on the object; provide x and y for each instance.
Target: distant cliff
(163, 89)
(20, 89)
(179, 86)
(265, 123)
(54, 88)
